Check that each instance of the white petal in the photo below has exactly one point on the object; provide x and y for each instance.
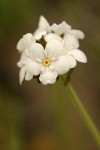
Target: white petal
(63, 64)
(70, 42)
(48, 76)
(20, 64)
(33, 67)
(52, 36)
(61, 28)
(22, 74)
(43, 24)
(77, 34)
(78, 55)
(42, 29)
(20, 45)
(25, 42)
(22, 60)
(37, 52)
(28, 39)
(72, 61)
(54, 49)
(28, 76)
(39, 35)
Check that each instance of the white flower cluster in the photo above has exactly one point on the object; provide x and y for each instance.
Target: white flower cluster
(49, 52)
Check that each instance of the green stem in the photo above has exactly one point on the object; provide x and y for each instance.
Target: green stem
(86, 118)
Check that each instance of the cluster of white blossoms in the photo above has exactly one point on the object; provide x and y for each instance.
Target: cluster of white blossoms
(49, 52)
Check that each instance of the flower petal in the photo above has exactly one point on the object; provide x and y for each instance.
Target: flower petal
(22, 74)
(48, 76)
(70, 42)
(63, 64)
(72, 61)
(43, 24)
(33, 67)
(20, 64)
(54, 49)
(28, 76)
(52, 36)
(37, 52)
(78, 55)
(20, 45)
(22, 60)
(60, 28)
(25, 42)
(77, 34)
(42, 29)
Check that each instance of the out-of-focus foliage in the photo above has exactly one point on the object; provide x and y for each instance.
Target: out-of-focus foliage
(33, 116)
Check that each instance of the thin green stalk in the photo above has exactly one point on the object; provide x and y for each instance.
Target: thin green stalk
(86, 118)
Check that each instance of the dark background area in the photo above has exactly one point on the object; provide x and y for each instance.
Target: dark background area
(38, 117)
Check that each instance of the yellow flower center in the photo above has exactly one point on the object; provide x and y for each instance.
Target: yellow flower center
(46, 62)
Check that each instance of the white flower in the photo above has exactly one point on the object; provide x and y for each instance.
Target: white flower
(23, 46)
(70, 36)
(49, 62)
(63, 29)
(70, 40)
(51, 51)
(71, 46)
(23, 70)
(63, 33)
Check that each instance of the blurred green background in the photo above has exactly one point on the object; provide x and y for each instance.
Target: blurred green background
(38, 117)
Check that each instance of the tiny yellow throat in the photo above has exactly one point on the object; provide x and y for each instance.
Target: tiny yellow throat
(46, 62)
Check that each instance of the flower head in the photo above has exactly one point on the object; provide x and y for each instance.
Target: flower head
(49, 52)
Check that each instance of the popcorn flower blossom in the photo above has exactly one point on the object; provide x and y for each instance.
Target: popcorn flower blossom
(49, 52)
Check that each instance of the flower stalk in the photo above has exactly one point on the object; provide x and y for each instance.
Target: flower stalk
(84, 115)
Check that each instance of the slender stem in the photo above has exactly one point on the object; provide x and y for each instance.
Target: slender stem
(86, 118)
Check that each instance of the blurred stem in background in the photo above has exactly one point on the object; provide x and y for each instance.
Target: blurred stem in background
(61, 116)
(86, 118)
